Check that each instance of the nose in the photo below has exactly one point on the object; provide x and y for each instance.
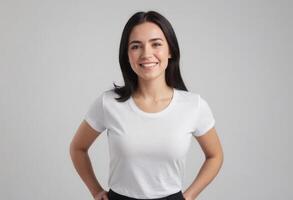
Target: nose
(146, 51)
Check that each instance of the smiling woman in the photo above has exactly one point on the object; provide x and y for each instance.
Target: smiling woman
(148, 142)
(148, 51)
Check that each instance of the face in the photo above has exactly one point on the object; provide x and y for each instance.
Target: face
(148, 51)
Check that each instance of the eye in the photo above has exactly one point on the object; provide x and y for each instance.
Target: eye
(157, 44)
(134, 47)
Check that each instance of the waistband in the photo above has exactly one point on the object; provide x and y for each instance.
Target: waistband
(115, 196)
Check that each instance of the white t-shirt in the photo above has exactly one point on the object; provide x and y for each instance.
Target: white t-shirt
(148, 150)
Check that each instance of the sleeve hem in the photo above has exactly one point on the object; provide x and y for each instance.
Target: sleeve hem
(205, 130)
(93, 125)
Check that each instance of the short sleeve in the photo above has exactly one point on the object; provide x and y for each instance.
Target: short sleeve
(205, 119)
(95, 114)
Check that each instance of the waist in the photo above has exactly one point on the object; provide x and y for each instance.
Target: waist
(116, 196)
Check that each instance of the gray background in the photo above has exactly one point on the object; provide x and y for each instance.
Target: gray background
(57, 56)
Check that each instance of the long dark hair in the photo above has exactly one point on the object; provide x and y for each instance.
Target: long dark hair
(172, 74)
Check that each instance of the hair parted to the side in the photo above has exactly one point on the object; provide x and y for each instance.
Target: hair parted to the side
(172, 74)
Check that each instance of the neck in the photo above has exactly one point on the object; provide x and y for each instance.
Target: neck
(153, 91)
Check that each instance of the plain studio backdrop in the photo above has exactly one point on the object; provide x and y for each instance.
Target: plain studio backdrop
(57, 56)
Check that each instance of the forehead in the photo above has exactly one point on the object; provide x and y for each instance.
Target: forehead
(146, 31)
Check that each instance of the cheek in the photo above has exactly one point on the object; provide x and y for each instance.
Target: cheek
(132, 60)
(132, 56)
(163, 55)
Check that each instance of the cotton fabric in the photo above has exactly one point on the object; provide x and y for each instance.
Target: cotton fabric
(148, 150)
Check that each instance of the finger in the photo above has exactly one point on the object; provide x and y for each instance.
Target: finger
(105, 197)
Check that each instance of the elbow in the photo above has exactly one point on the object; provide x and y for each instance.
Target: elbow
(73, 149)
(221, 159)
(218, 156)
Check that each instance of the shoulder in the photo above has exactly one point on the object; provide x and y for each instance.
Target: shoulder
(103, 96)
(108, 97)
(187, 96)
(190, 98)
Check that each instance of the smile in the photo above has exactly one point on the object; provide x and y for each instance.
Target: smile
(148, 65)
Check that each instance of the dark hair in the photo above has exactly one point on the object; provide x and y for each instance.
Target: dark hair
(172, 74)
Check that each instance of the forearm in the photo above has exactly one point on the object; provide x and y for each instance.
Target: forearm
(83, 166)
(207, 173)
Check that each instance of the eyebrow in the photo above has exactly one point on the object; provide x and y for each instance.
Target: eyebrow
(137, 41)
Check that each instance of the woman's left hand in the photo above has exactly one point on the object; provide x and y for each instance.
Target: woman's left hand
(187, 196)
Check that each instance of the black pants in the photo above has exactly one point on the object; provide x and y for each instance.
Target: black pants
(115, 196)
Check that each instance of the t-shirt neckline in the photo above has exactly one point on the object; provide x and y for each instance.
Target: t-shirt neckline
(153, 114)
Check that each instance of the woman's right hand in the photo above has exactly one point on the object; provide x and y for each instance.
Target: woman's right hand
(103, 195)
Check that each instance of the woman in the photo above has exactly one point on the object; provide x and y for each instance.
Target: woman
(150, 121)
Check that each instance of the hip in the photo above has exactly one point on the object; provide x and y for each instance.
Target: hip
(116, 196)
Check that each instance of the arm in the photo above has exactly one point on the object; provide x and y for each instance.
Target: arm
(79, 146)
(212, 149)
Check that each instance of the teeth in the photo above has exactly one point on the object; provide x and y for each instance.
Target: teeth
(149, 65)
